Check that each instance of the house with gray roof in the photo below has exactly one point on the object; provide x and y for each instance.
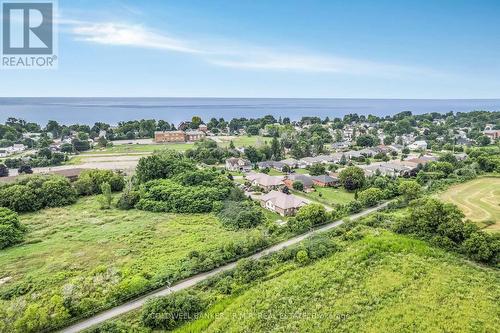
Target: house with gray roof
(281, 203)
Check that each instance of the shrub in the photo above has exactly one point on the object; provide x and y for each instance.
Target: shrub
(36, 192)
(11, 230)
(171, 195)
(302, 257)
(25, 169)
(248, 270)
(56, 192)
(170, 311)
(240, 214)
(410, 189)
(298, 185)
(89, 182)
(370, 197)
(105, 198)
(128, 200)
(307, 217)
(19, 198)
(354, 207)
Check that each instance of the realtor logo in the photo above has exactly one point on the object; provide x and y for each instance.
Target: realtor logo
(28, 34)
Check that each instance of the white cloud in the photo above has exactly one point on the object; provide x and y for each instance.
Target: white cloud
(127, 35)
(227, 54)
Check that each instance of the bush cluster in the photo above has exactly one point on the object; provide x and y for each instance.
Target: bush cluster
(37, 192)
(443, 225)
(240, 214)
(90, 181)
(196, 191)
(170, 311)
(11, 230)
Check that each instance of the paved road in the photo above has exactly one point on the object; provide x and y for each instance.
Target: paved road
(190, 282)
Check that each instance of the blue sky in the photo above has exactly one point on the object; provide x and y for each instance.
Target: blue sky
(270, 48)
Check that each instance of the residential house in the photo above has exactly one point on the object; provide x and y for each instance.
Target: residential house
(291, 162)
(418, 145)
(184, 125)
(325, 181)
(491, 133)
(266, 182)
(281, 203)
(238, 164)
(305, 180)
(340, 145)
(385, 169)
(265, 165)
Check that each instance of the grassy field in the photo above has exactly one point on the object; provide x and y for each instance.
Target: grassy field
(140, 148)
(244, 140)
(479, 199)
(84, 256)
(381, 283)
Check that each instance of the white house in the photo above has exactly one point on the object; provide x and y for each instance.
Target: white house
(238, 164)
(417, 145)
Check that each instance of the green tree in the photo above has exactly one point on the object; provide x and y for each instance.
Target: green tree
(307, 217)
(410, 189)
(317, 169)
(164, 165)
(483, 140)
(276, 149)
(367, 140)
(352, 178)
(298, 185)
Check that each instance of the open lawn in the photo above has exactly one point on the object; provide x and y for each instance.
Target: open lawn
(479, 199)
(330, 195)
(84, 257)
(382, 282)
(274, 172)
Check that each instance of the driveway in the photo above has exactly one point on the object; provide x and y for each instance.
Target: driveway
(192, 281)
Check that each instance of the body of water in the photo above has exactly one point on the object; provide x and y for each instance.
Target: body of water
(174, 110)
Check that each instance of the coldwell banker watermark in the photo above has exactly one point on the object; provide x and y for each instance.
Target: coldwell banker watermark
(29, 35)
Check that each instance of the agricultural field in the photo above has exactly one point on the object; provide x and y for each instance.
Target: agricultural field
(381, 283)
(479, 199)
(84, 257)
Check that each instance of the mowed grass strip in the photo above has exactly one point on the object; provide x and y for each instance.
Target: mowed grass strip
(479, 199)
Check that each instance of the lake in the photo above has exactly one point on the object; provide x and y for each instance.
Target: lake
(174, 110)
